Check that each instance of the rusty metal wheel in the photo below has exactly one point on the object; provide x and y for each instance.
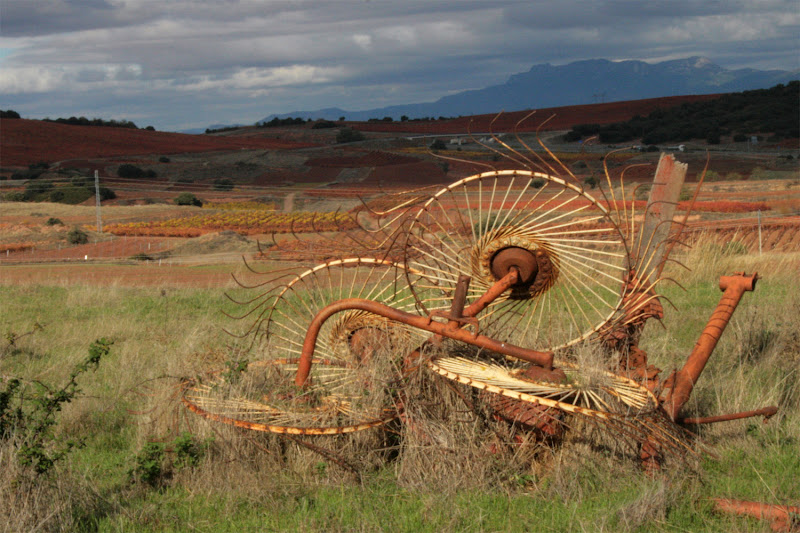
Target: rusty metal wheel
(570, 252)
(356, 367)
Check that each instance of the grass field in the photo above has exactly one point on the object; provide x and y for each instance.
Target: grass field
(138, 469)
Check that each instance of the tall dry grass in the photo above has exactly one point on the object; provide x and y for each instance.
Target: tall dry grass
(446, 443)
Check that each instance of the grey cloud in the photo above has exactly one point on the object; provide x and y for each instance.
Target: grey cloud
(179, 63)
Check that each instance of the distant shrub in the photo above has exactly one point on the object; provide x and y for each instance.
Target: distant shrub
(188, 198)
(30, 174)
(76, 194)
(107, 194)
(686, 194)
(759, 173)
(591, 181)
(41, 165)
(14, 196)
(163, 159)
(77, 236)
(323, 124)
(349, 135)
(537, 183)
(52, 221)
(126, 170)
(9, 114)
(438, 144)
(36, 188)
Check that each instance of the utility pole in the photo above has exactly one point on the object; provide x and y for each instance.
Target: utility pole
(99, 227)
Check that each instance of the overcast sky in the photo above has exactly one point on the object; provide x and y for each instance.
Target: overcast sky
(178, 64)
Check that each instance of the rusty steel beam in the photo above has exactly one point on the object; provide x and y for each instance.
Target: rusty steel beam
(733, 288)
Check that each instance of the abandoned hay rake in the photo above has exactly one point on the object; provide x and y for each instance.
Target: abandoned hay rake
(497, 282)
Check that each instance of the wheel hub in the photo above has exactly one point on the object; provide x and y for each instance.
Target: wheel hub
(536, 266)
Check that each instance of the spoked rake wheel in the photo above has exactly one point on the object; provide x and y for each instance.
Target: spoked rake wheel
(356, 365)
(263, 398)
(621, 407)
(570, 254)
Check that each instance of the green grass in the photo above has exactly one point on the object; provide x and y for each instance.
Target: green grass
(131, 400)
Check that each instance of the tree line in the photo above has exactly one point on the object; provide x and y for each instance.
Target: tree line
(773, 110)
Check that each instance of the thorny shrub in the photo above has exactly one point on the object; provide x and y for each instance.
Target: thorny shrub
(29, 413)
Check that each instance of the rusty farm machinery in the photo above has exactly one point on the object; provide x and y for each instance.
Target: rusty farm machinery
(495, 284)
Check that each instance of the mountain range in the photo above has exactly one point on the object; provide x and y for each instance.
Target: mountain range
(580, 82)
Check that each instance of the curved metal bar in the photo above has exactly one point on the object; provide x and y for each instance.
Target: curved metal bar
(449, 330)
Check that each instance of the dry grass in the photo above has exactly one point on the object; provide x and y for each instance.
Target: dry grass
(446, 446)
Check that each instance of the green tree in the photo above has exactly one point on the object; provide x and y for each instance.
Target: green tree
(187, 198)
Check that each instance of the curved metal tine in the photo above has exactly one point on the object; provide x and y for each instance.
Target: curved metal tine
(460, 160)
(492, 148)
(264, 297)
(623, 222)
(524, 161)
(542, 164)
(275, 275)
(611, 185)
(553, 156)
(651, 250)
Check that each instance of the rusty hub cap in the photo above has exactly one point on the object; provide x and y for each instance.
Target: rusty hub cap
(537, 267)
(514, 257)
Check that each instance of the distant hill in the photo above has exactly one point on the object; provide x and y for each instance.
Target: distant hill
(581, 82)
(27, 142)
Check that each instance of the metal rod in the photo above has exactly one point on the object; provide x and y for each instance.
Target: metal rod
(766, 412)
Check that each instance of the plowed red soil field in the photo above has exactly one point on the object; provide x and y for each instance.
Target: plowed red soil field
(564, 119)
(777, 234)
(30, 141)
(119, 248)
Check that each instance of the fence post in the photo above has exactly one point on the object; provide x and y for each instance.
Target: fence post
(759, 232)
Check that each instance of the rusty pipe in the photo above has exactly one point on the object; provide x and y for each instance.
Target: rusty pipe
(494, 292)
(733, 288)
(766, 412)
(780, 516)
(544, 359)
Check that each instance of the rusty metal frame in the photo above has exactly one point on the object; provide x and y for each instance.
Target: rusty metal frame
(452, 329)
